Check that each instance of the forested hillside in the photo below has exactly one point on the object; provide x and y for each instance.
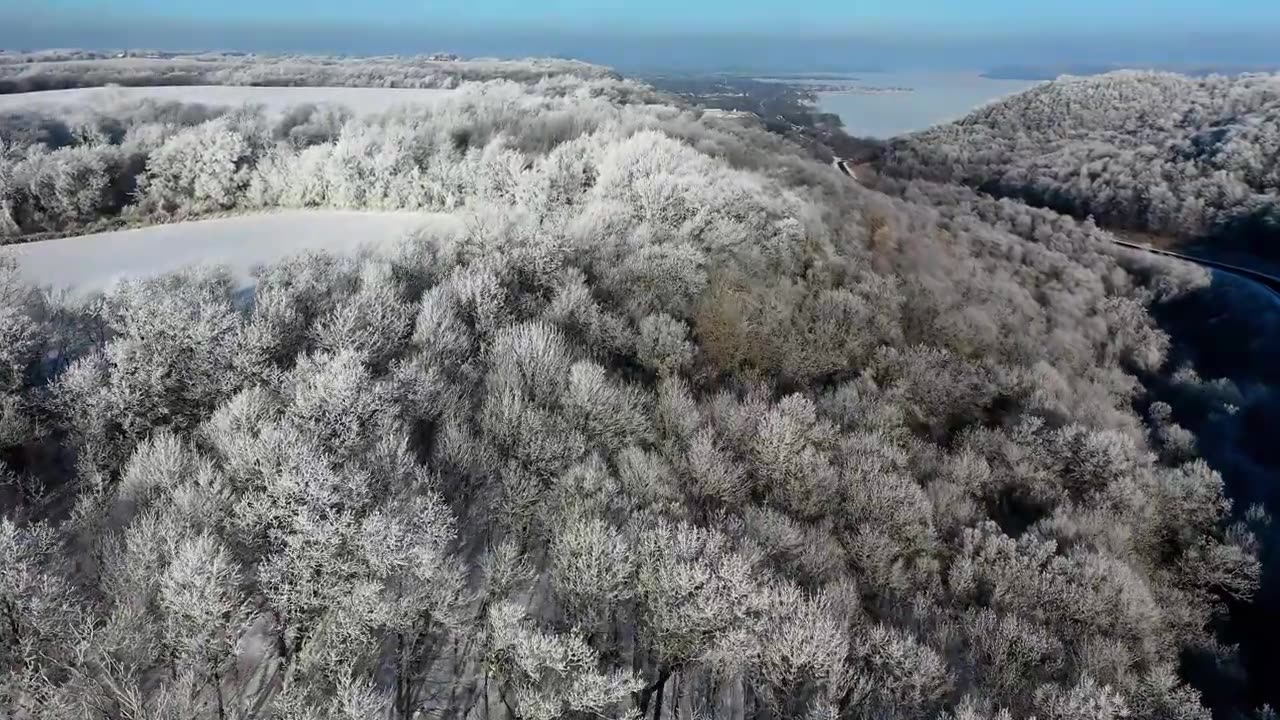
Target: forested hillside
(681, 424)
(1154, 152)
(71, 168)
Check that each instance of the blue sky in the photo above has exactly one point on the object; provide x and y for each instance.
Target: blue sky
(643, 35)
(945, 17)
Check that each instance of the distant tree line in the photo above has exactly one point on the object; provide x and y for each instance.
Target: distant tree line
(77, 69)
(1153, 152)
(678, 424)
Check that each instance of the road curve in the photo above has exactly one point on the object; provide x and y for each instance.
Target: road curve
(1269, 282)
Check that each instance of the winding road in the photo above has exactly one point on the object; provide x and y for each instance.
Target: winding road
(1270, 282)
(859, 174)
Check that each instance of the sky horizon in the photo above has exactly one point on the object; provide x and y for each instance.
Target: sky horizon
(807, 34)
(973, 17)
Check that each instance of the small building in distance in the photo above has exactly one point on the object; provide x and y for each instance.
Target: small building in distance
(744, 116)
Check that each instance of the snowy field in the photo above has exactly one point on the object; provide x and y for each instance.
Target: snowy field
(85, 264)
(363, 101)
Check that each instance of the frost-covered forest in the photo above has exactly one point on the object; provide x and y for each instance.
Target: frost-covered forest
(57, 70)
(1154, 152)
(71, 168)
(678, 423)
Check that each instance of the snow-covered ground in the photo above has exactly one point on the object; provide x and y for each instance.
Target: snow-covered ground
(89, 263)
(363, 101)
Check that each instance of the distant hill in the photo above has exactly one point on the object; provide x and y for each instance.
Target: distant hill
(1155, 152)
(1055, 71)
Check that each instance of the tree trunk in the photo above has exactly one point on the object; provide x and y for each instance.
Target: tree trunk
(647, 694)
(282, 647)
(615, 642)
(455, 681)
(685, 689)
(402, 699)
(217, 688)
(735, 701)
(657, 703)
(511, 712)
(14, 627)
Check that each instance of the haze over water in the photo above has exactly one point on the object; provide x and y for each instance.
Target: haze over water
(935, 97)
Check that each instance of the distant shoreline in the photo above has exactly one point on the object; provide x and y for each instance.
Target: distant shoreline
(1053, 72)
(864, 90)
(824, 85)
